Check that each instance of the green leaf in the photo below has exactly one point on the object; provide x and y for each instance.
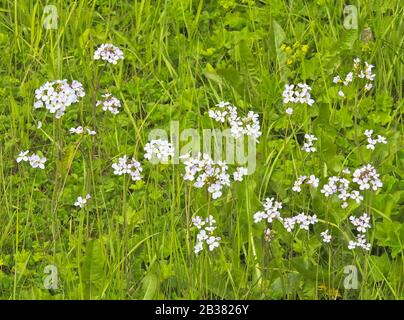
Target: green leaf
(150, 286)
(92, 269)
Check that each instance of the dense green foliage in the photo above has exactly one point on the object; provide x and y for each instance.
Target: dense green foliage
(135, 240)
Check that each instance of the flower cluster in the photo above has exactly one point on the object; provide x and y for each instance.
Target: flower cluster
(204, 171)
(348, 79)
(271, 211)
(341, 187)
(295, 52)
(361, 224)
(248, 125)
(367, 178)
(311, 180)
(159, 149)
(297, 94)
(308, 144)
(81, 202)
(372, 142)
(34, 160)
(57, 95)
(239, 174)
(205, 235)
(109, 53)
(360, 242)
(360, 71)
(109, 103)
(128, 166)
(304, 221)
(81, 130)
(326, 236)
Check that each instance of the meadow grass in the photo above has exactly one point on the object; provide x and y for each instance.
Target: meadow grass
(136, 240)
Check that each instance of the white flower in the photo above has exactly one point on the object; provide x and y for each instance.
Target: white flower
(109, 103)
(361, 242)
(202, 236)
(368, 86)
(368, 71)
(288, 94)
(204, 171)
(198, 247)
(126, 166)
(91, 132)
(313, 181)
(57, 96)
(296, 186)
(341, 93)
(304, 221)
(341, 187)
(299, 94)
(368, 133)
(351, 245)
(367, 178)
(348, 79)
(289, 224)
(109, 53)
(361, 223)
(259, 216)
(198, 222)
(81, 130)
(159, 150)
(271, 211)
(219, 116)
(271, 208)
(210, 220)
(326, 236)
(240, 173)
(213, 242)
(355, 195)
(346, 171)
(78, 130)
(372, 142)
(39, 125)
(81, 202)
(361, 71)
(22, 156)
(222, 104)
(308, 145)
(36, 161)
(205, 235)
(336, 79)
(248, 125)
(289, 111)
(381, 139)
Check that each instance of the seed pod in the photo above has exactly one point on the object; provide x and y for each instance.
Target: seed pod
(268, 235)
(367, 35)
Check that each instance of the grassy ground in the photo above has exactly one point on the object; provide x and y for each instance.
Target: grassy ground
(134, 240)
